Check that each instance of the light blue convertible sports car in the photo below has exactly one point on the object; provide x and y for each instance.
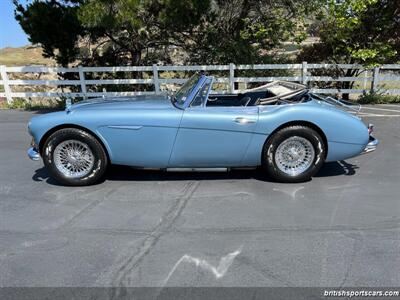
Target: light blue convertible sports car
(281, 126)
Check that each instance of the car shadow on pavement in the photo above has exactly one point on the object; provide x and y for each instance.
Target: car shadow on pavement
(43, 175)
(337, 168)
(124, 173)
(121, 173)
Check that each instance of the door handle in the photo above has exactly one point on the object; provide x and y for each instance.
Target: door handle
(242, 120)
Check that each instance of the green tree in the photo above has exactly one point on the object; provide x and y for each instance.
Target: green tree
(363, 32)
(108, 31)
(248, 31)
(143, 31)
(53, 24)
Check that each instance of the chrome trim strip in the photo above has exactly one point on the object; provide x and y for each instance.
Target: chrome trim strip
(129, 127)
(197, 169)
(33, 154)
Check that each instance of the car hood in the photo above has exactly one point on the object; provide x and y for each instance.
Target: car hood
(136, 102)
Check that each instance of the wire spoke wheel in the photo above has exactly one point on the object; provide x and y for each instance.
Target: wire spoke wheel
(73, 158)
(294, 155)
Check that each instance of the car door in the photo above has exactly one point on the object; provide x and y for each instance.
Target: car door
(213, 136)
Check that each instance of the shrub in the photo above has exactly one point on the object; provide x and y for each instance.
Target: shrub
(20, 103)
(17, 103)
(376, 98)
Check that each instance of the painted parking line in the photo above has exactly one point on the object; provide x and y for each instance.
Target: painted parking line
(380, 109)
(375, 115)
(389, 105)
(384, 110)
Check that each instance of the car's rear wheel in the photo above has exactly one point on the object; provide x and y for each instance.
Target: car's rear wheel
(74, 157)
(294, 154)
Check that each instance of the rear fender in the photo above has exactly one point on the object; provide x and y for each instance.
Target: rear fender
(345, 134)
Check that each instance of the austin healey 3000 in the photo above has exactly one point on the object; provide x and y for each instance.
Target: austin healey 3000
(281, 126)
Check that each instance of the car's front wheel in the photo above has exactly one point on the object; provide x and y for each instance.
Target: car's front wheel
(74, 157)
(294, 154)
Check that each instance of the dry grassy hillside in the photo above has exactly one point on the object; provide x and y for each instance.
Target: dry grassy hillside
(24, 56)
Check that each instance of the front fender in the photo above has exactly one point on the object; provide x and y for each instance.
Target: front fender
(39, 126)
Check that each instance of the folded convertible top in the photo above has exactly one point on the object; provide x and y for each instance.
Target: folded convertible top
(279, 90)
(282, 86)
(282, 90)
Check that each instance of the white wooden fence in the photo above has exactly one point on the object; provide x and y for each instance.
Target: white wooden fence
(369, 81)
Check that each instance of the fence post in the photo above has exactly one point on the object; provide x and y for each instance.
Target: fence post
(375, 80)
(231, 78)
(7, 89)
(365, 80)
(304, 78)
(155, 79)
(82, 81)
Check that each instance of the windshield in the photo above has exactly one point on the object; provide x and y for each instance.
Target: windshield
(202, 95)
(185, 90)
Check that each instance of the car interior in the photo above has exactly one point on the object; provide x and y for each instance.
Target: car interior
(274, 93)
(254, 98)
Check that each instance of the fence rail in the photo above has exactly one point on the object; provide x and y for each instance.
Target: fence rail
(370, 81)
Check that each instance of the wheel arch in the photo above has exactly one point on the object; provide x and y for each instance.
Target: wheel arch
(300, 123)
(64, 126)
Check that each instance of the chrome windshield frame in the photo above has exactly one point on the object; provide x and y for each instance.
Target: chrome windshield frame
(188, 96)
(207, 80)
(203, 79)
(194, 92)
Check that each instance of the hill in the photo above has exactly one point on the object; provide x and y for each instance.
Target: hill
(24, 56)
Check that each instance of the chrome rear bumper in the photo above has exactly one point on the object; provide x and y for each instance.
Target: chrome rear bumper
(371, 146)
(33, 154)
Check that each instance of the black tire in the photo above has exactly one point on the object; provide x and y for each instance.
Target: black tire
(270, 148)
(94, 173)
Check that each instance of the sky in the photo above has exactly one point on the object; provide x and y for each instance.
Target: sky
(11, 34)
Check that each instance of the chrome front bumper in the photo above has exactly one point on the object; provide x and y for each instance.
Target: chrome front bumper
(33, 154)
(371, 146)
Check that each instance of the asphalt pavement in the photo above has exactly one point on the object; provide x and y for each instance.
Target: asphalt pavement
(157, 229)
